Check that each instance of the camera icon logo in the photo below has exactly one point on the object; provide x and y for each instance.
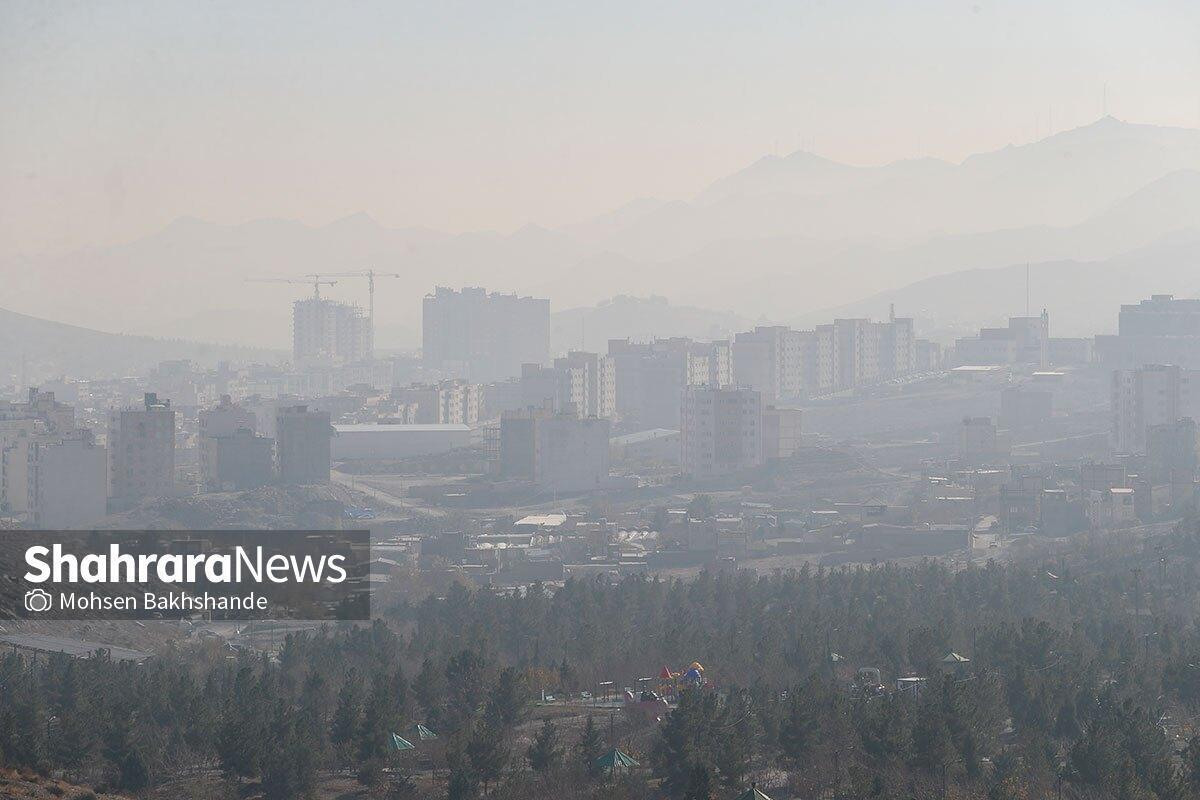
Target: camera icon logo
(38, 600)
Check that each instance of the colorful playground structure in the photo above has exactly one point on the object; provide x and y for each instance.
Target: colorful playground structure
(652, 703)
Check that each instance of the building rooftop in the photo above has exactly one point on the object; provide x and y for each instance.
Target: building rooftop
(972, 368)
(543, 520)
(643, 436)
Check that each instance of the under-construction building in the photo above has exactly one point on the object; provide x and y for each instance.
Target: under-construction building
(326, 331)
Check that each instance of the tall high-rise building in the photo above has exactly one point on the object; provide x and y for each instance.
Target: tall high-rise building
(1172, 452)
(141, 451)
(68, 481)
(786, 364)
(598, 379)
(1161, 330)
(1155, 394)
(580, 384)
(558, 452)
(40, 418)
(782, 434)
(483, 336)
(1026, 340)
(897, 347)
(857, 348)
(329, 332)
(17, 437)
(303, 445)
(651, 376)
(237, 461)
(821, 372)
(560, 389)
(226, 419)
(768, 359)
(232, 456)
(721, 431)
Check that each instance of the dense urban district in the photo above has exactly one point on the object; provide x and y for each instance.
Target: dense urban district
(844, 562)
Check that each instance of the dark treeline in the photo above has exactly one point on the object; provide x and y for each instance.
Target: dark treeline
(1083, 678)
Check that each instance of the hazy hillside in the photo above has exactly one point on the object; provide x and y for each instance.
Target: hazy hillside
(1168, 207)
(190, 275)
(781, 238)
(1060, 180)
(44, 348)
(1082, 297)
(640, 318)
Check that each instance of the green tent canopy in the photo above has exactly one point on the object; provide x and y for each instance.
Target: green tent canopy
(614, 759)
(753, 793)
(399, 743)
(423, 733)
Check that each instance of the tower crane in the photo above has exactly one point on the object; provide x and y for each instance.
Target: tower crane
(311, 280)
(370, 275)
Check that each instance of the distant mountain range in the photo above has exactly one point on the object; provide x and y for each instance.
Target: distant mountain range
(781, 239)
(1083, 298)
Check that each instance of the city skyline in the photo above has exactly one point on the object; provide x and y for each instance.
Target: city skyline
(671, 401)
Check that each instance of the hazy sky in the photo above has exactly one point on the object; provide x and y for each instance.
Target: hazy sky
(119, 117)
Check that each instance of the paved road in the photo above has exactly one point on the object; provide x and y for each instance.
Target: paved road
(77, 648)
(356, 483)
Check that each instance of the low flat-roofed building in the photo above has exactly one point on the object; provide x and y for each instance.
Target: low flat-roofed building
(540, 523)
(656, 444)
(382, 441)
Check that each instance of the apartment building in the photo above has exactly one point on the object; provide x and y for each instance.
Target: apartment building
(303, 445)
(1161, 330)
(651, 376)
(68, 481)
(483, 336)
(1026, 340)
(1154, 394)
(597, 381)
(448, 402)
(557, 452)
(141, 451)
(721, 431)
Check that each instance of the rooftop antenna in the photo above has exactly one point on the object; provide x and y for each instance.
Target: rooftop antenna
(1104, 99)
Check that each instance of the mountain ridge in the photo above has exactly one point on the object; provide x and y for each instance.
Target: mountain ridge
(763, 252)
